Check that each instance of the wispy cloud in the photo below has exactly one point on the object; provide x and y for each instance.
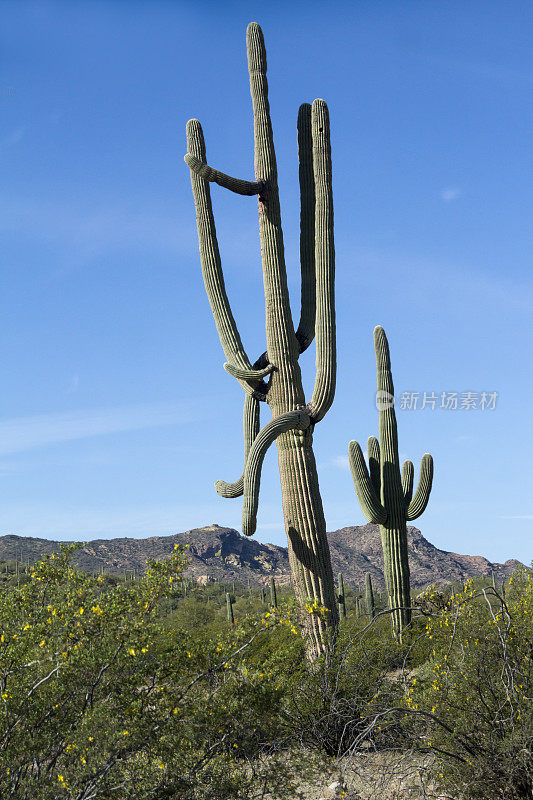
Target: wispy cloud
(83, 523)
(450, 193)
(517, 516)
(89, 230)
(26, 433)
(73, 384)
(13, 137)
(341, 462)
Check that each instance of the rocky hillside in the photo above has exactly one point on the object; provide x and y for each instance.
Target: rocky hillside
(222, 554)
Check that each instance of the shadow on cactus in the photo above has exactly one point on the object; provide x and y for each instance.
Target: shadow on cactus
(386, 494)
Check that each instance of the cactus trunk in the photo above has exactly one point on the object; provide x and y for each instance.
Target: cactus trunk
(293, 420)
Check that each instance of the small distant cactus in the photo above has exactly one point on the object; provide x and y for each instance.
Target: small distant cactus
(386, 494)
(229, 609)
(273, 594)
(369, 596)
(341, 598)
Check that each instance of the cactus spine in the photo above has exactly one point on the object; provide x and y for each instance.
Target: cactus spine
(341, 598)
(229, 609)
(369, 596)
(385, 494)
(292, 421)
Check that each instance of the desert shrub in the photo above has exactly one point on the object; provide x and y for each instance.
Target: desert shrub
(471, 704)
(98, 700)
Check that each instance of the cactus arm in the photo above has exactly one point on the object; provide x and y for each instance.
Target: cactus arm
(374, 463)
(326, 358)
(207, 173)
(388, 431)
(211, 265)
(252, 471)
(419, 502)
(306, 328)
(250, 425)
(248, 374)
(366, 493)
(408, 474)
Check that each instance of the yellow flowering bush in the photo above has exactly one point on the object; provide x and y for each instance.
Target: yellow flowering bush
(471, 704)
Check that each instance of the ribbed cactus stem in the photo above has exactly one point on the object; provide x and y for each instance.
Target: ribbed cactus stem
(369, 596)
(341, 597)
(273, 593)
(229, 609)
(292, 421)
(385, 493)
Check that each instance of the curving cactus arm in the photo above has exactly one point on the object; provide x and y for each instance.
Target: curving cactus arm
(252, 471)
(408, 474)
(211, 265)
(203, 170)
(306, 328)
(250, 425)
(326, 354)
(366, 493)
(419, 502)
(248, 374)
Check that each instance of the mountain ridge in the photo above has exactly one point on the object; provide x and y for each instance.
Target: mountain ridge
(217, 553)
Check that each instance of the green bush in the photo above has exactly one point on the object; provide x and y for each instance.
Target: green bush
(100, 699)
(471, 703)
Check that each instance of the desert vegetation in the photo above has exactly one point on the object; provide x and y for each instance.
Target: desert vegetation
(120, 688)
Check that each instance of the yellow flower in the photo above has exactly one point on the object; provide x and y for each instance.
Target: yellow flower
(41, 644)
(131, 651)
(61, 779)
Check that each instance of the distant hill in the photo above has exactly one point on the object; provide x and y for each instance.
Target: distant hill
(222, 554)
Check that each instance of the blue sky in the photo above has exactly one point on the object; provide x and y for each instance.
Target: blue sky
(116, 415)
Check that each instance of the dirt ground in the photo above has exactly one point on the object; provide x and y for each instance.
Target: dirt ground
(372, 776)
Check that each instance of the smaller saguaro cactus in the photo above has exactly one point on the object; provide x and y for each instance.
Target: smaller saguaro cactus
(263, 596)
(229, 609)
(385, 493)
(341, 599)
(369, 596)
(357, 606)
(273, 594)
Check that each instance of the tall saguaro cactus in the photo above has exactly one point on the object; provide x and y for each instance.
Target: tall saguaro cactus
(293, 421)
(385, 494)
